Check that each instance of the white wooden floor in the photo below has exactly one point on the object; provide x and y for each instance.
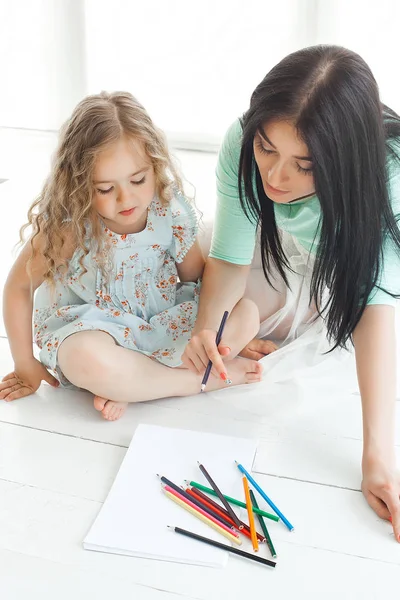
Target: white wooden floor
(58, 459)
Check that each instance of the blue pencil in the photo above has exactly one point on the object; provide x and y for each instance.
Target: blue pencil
(264, 495)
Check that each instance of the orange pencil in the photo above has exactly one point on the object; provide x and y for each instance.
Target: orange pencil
(249, 507)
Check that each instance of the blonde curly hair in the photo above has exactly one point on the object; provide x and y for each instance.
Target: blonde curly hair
(65, 203)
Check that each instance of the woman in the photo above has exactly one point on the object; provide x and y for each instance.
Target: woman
(314, 165)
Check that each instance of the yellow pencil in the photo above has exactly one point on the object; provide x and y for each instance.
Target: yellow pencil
(197, 514)
(249, 507)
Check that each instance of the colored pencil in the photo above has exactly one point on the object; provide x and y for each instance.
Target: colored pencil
(220, 510)
(249, 507)
(186, 495)
(264, 495)
(217, 341)
(201, 517)
(201, 510)
(263, 527)
(233, 501)
(216, 489)
(205, 540)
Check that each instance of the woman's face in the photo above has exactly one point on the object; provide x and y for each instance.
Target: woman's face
(284, 163)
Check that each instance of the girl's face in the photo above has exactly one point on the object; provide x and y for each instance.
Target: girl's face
(284, 163)
(124, 184)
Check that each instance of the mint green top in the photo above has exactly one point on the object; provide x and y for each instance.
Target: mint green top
(234, 235)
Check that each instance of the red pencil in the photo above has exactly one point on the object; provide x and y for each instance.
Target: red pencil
(205, 514)
(221, 511)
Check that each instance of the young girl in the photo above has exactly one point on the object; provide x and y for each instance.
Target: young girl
(112, 233)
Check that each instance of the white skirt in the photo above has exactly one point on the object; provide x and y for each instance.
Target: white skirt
(289, 319)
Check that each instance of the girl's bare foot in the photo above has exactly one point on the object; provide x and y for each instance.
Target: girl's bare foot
(110, 409)
(239, 371)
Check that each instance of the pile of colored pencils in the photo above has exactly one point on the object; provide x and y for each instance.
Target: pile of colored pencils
(195, 498)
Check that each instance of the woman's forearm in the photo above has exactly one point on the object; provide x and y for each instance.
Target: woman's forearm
(223, 286)
(375, 346)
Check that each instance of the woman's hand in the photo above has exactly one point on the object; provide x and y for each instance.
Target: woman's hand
(25, 380)
(381, 488)
(202, 348)
(257, 349)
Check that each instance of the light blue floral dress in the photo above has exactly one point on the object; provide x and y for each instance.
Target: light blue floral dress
(140, 303)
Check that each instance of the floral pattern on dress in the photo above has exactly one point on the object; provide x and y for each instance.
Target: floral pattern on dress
(140, 302)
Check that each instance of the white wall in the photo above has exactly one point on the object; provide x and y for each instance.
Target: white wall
(371, 28)
(192, 64)
(42, 61)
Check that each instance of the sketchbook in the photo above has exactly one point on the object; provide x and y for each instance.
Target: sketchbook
(134, 518)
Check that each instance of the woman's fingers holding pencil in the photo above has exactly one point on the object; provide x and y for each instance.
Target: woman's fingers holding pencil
(224, 350)
(213, 354)
(195, 357)
(193, 363)
(200, 350)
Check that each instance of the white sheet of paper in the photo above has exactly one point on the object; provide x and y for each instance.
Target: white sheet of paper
(134, 518)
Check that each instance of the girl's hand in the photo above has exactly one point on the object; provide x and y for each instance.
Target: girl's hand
(25, 380)
(257, 349)
(201, 349)
(381, 488)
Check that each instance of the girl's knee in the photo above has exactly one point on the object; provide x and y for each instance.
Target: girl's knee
(82, 357)
(250, 316)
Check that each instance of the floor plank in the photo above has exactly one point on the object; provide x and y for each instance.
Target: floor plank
(335, 529)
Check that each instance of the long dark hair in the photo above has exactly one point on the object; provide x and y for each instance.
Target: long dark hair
(332, 98)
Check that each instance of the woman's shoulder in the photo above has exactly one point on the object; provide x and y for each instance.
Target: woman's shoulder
(234, 133)
(229, 154)
(232, 141)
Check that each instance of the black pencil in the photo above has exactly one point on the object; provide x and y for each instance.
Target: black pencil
(205, 540)
(183, 493)
(217, 341)
(225, 502)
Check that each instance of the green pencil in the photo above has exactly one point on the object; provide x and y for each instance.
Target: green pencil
(263, 526)
(258, 511)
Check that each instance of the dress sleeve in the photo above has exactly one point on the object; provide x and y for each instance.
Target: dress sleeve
(390, 272)
(185, 226)
(234, 235)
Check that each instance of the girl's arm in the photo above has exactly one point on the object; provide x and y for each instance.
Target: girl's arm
(17, 312)
(18, 301)
(192, 266)
(375, 347)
